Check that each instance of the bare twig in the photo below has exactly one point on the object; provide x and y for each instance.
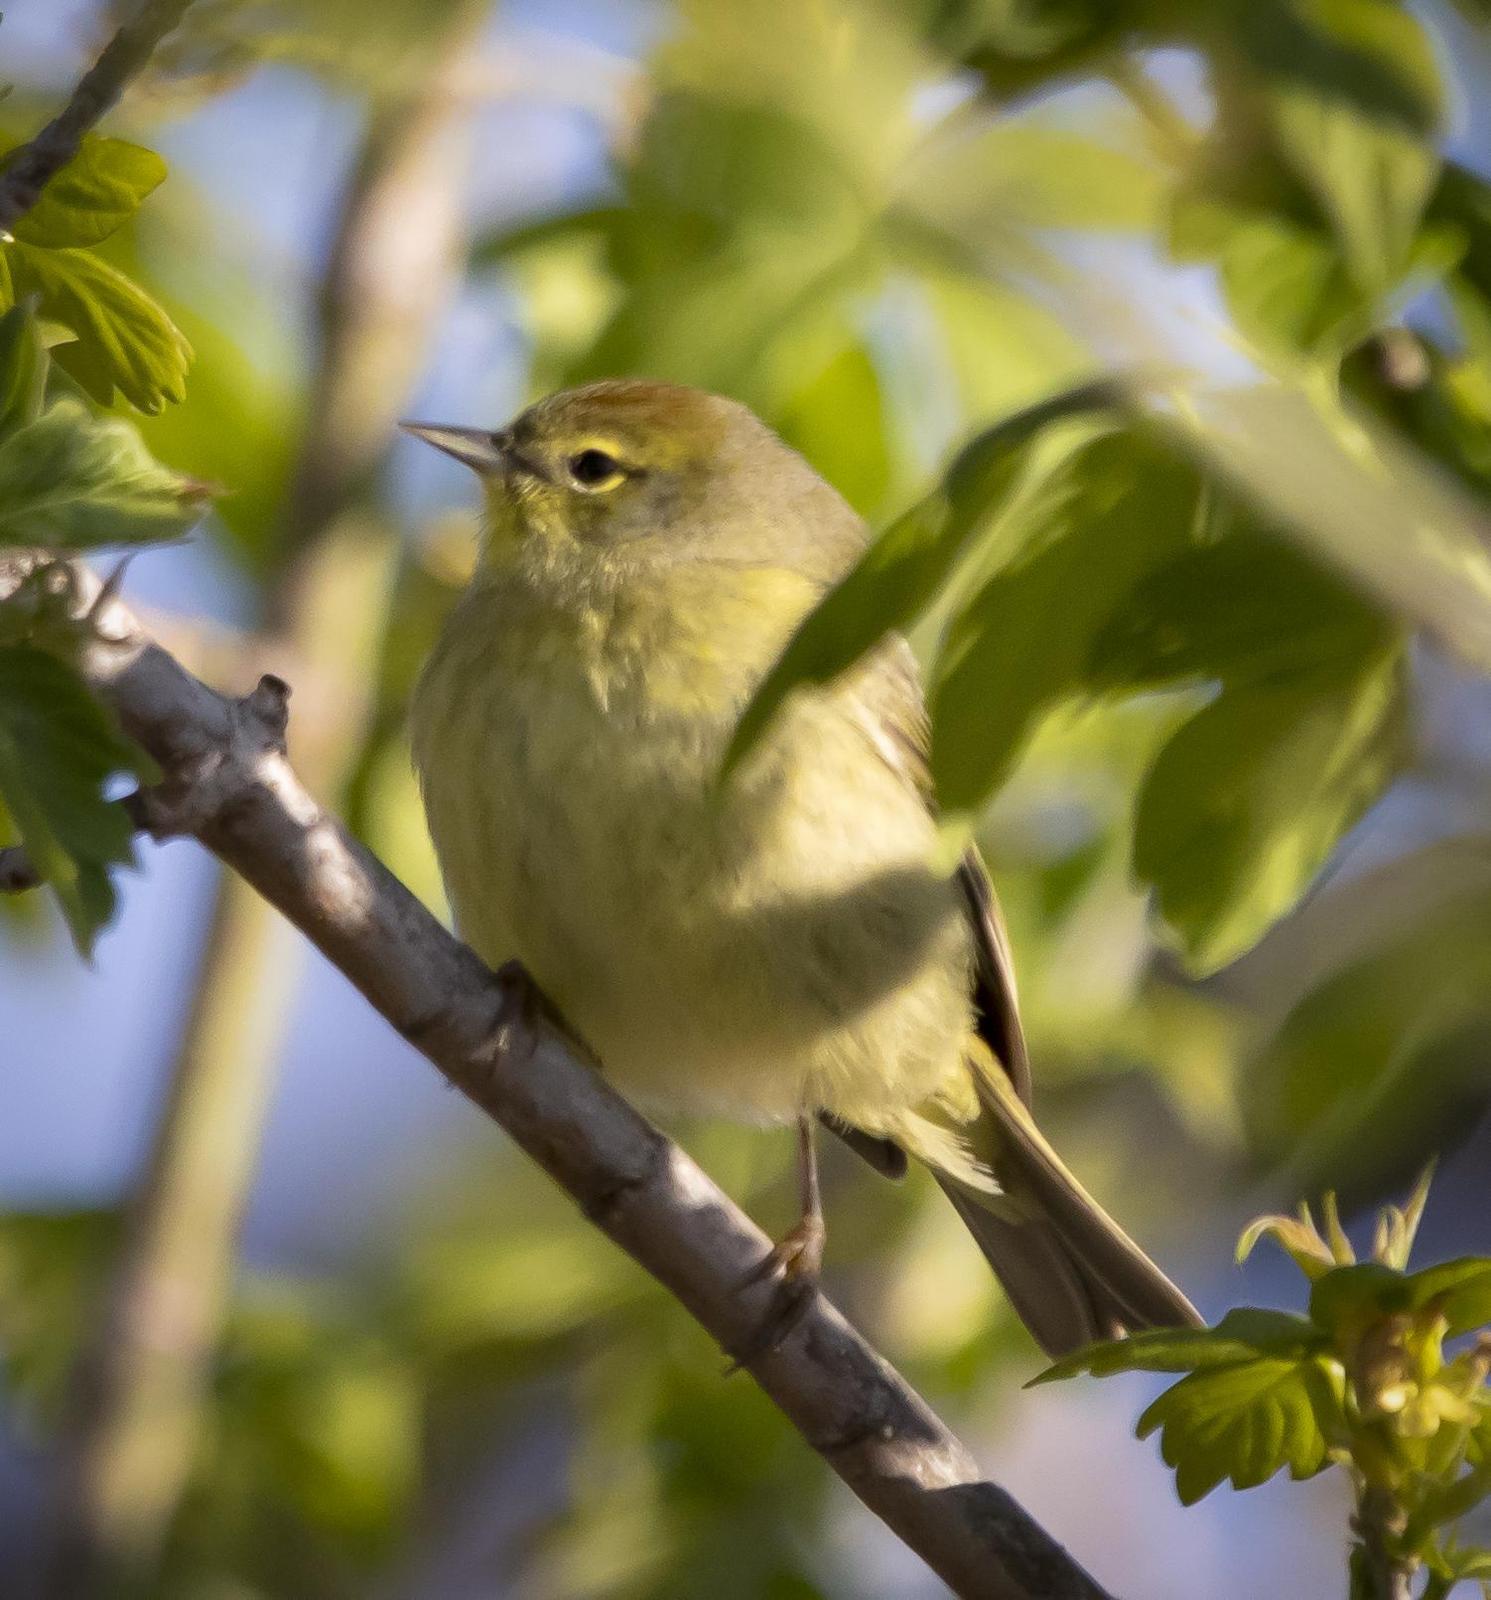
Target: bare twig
(33, 166)
(229, 783)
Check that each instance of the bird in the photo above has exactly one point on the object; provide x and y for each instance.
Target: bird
(783, 946)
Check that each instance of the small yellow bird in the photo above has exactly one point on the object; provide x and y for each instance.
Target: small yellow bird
(775, 949)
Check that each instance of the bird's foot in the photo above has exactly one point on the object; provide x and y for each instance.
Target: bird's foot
(523, 1009)
(796, 1260)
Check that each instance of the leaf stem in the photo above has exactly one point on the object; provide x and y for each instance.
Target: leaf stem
(1380, 1573)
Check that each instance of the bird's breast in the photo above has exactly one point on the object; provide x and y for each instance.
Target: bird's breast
(711, 945)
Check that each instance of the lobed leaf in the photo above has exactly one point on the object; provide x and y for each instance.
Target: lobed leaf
(1244, 1422)
(123, 340)
(98, 191)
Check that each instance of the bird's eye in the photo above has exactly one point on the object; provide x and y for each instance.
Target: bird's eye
(595, 469)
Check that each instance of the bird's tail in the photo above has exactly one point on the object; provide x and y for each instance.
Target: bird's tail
(1071, 1273)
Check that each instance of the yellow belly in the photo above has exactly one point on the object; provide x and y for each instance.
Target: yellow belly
(780, 946)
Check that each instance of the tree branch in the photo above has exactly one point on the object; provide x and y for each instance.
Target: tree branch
(228, 782)
(34, 165)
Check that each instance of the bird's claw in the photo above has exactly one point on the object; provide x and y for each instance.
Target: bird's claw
(797, 1260)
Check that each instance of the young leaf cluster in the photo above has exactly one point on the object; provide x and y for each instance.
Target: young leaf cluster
(1362, 1381)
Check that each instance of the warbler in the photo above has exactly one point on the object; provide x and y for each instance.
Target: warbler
(778, 947)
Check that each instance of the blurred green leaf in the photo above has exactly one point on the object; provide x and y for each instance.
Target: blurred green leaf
(51, 1267)
(1353, 95)
(1019, 644)
(906, 565)
(1033, 173)
(58, 751)
(23, 368)
(1249, 798)
(1244, 607)
(1384, 1059)
(72, 481)
(837, 419)
(1354, 495)
(98, 191)
(125, 341)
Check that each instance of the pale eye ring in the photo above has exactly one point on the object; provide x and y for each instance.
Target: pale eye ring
(594, 469)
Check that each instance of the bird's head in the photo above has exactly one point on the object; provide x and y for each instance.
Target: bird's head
(656, 470)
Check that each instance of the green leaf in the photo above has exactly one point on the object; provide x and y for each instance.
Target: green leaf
(1351, 494)
(58, 748)
(1247, 800)
(1462, 1289)
(837, 420)
(1244, 1422)
(1349, 1297)
(72, 481)
(1021, 642)
(98, 191)
(1345, 1300)
(1354, 100)
(905, 566)
(1245, 607)
(1033, 174)
(1381, 1064)
(23, 368)
(1244, 1334)
(125, 341)
(1285, 285)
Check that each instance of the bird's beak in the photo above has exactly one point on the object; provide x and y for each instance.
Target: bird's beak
(479, 448)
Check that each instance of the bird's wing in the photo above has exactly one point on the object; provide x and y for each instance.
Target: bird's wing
(894, 715)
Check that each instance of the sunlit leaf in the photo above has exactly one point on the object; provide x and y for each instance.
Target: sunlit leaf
(72, 481)
(125, 341)
(1242, 1335)
(1356, 498)
(1244, 1423)
(906, 565)
(98, 191)
(1021, 642)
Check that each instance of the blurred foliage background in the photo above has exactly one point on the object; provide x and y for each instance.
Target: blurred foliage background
(1202, 294)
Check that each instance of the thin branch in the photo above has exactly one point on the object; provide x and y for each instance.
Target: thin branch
(34, 165)
(229, 783)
